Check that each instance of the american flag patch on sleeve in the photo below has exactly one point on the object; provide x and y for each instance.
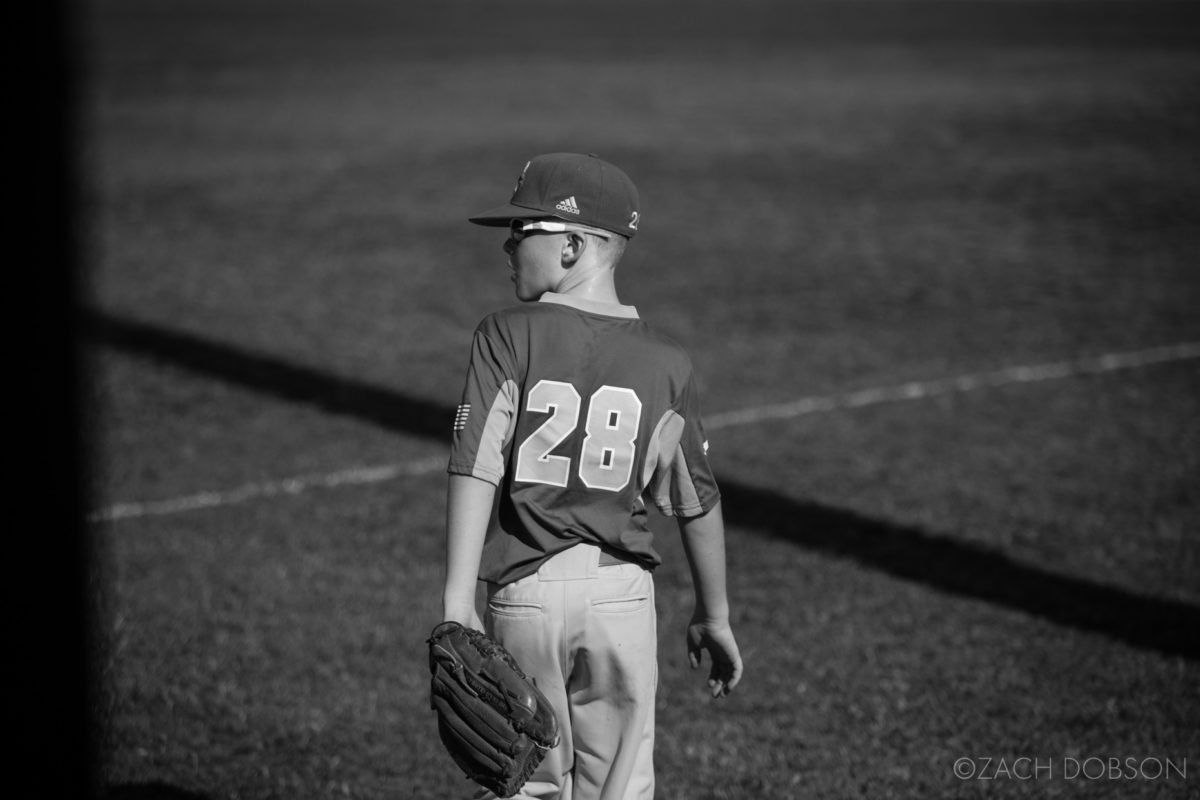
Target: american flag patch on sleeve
(460, 418)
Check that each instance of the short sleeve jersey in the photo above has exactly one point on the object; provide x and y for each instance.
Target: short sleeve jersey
(577, 411)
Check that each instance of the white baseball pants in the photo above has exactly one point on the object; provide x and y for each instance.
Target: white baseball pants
(587, 633)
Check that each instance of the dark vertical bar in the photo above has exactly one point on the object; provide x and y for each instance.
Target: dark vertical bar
(53, 578)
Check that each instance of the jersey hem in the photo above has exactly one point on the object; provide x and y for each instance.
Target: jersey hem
(691, 509)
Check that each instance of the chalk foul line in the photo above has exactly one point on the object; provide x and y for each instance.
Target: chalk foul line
(917, 390)
(294, 485)
(913, 390)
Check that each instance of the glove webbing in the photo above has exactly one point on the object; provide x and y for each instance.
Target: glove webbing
(483, 690)
(445, 702)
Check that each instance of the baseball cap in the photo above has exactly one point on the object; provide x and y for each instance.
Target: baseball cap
(571, 186)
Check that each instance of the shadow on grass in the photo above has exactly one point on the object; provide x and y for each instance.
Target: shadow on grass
(939, 562)
(332, 393)
(968, 570)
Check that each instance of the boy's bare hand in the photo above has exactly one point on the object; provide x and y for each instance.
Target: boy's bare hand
(717, 639)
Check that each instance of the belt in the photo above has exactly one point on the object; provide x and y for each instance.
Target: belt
(609, 558)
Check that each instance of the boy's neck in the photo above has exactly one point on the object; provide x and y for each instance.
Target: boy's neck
(596, 286)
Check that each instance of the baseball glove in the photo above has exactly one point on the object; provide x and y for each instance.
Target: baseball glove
(494, 722)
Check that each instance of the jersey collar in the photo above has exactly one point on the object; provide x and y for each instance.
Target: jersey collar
(590, 306)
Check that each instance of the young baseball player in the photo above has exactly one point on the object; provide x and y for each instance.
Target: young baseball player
(574, 414)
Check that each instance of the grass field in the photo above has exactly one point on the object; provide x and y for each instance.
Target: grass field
(838, 195)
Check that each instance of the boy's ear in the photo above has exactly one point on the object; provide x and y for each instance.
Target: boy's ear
(573, 248)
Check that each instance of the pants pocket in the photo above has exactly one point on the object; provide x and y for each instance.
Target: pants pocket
(513, 608)
(621, 605)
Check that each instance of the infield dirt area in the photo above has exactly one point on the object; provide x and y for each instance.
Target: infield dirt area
(974, 592)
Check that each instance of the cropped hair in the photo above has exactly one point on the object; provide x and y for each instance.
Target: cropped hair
(612, 248)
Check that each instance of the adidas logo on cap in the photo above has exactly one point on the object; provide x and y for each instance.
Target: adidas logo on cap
(568, 205)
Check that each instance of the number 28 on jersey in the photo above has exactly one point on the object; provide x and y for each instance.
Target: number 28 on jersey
(605, 458)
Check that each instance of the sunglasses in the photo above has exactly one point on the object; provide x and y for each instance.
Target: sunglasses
(518, 229)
